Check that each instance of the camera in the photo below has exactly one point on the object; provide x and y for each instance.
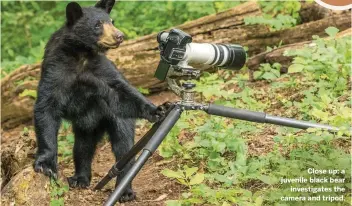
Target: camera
(176, 49)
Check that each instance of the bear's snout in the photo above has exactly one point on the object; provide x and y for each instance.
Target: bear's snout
(118, 36)
(111, 36)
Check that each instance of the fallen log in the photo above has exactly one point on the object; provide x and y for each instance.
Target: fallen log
(17, 152)
(15, 108)
(138, 59)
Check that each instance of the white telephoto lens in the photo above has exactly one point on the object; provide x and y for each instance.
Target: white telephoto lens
(199, 53)
(204, 53)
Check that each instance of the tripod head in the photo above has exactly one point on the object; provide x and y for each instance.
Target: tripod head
(186, 89)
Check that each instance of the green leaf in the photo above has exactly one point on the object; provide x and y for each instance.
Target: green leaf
(191, 171)
(320, 114)
(54, 193)
(326, 99)
(259, 201)
(57, 202)
(269, 76)
(277, 66)
(173, 203)
(143, 91)
(70, 138)
(294, 68)
(332, 31)
(66, 125)
(197, 179)
(182, 181)
(186, 195)
(220, 147)
(276, 72)
(29, 92)
(172, 174)
(257, 74)
(267, 179)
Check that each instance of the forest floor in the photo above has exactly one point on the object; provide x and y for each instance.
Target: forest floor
(151, 187)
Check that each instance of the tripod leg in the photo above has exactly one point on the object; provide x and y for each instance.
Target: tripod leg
(118, 166)
(165, 127)
(262, 117)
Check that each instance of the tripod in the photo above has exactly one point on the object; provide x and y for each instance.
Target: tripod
(153, 138)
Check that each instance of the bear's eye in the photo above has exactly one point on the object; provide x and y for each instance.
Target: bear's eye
(98, 25)
(113, 22)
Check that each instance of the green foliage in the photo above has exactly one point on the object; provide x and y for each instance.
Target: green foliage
(57, 191)
(277, 15)
(268, 48)
(278, 22)
(149, 17)
(65, 141)
(29, 93)
(25, 131)
(27, 25)
(268, 72)
(327, 61)
(187, 176)
(221, 145)
(143, 90)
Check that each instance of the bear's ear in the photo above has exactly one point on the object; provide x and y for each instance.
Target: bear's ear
(105, 5)
(73, 13)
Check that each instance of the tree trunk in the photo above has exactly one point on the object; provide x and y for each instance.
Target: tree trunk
(138, 59)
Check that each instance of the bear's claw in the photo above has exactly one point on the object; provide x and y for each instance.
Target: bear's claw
(78, 181)
(127, 196)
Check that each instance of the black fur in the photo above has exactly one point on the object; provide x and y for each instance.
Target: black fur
(80, 84)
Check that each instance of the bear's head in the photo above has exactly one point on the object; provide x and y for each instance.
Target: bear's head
(92, 27)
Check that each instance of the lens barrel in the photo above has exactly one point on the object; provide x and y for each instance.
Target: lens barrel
(226, 56)
(231, 56)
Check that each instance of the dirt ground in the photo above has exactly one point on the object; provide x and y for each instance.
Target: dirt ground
(150, 186)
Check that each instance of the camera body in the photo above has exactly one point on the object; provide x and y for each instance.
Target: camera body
(172, 47)
(177, 50)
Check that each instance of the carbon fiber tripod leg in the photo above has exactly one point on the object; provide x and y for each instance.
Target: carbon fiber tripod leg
(156, 139)
(113, 172)
(262, 117)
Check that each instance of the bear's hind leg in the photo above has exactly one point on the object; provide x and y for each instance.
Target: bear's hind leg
(83, 153)
(121, 132)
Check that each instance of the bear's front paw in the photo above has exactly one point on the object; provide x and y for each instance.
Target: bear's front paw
(128, 195)
(47, 167)
(78, 181)
(155, 114)
(149, 112)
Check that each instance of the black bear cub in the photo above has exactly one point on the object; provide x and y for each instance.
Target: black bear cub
(80, 84)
